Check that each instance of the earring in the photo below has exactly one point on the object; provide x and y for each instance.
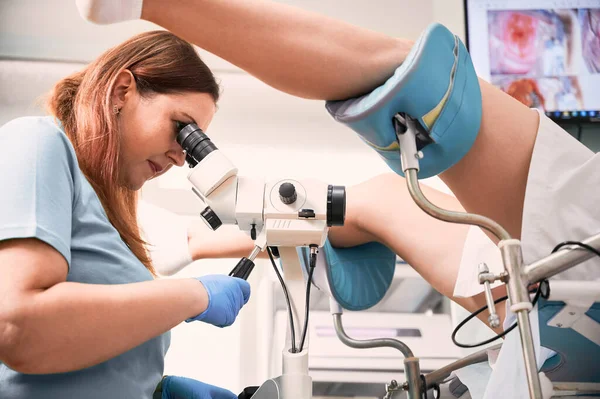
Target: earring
(116, 109)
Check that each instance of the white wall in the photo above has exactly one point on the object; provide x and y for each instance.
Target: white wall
(451, 14)
(52, 29)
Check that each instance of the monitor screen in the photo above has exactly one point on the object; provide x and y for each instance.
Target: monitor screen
(544, 53)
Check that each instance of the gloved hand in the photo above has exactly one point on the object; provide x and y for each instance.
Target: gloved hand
(186, 388)
(226, 296)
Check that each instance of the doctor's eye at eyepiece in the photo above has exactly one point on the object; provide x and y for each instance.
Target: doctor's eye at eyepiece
(194, 142)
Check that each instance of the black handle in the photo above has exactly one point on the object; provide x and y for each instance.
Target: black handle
(242, 269)
(248, 392)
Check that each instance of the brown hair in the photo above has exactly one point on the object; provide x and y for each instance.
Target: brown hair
(160, 63)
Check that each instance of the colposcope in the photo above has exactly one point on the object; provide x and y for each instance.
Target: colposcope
(282, 213)
(287, 212)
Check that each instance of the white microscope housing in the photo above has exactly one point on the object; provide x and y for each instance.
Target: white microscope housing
(289, 212)
(282, 213)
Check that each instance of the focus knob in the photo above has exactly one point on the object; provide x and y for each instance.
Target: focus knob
(287, 193)
(211, 218)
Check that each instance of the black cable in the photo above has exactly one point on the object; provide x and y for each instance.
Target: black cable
(312, 264)
(287, 299)
(478, 311)
(579, 244)
(305, 328)
(543, 286)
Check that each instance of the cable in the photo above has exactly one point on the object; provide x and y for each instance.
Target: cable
(478, 311)
(579, 244)
(287, 299)
(541, 287)
(304, 330)
(312, 264)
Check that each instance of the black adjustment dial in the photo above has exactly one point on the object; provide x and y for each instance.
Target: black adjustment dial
(287, 193)
(211, 218)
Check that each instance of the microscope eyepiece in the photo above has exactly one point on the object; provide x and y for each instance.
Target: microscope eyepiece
(196, 144)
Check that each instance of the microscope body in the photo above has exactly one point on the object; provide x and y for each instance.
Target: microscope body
(289, 212)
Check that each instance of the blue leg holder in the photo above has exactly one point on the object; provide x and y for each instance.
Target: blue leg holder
(436, 85)
(358, 277)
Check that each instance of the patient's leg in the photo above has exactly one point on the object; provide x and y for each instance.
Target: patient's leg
(491, 179)
(382, 210)
(313, 56)
(296, 51)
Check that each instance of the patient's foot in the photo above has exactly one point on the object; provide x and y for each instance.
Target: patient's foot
(109, 11)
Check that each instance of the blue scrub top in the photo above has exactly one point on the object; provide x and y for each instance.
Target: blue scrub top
(44, 194)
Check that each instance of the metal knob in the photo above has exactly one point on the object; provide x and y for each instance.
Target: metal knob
(210, 218)
(287, 193)
(391, 388)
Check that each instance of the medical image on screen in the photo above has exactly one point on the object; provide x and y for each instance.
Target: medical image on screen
(547, 59)
(590, 38)
(562, 93)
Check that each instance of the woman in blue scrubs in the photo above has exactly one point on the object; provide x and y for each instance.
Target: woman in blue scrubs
(81, 315)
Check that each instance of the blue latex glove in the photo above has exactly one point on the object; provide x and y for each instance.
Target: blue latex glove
(186, 388)
(226, 296)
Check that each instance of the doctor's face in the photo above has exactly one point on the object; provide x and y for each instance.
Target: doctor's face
(148, 130)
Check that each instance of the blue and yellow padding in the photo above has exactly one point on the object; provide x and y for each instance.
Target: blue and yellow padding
(436, 85)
